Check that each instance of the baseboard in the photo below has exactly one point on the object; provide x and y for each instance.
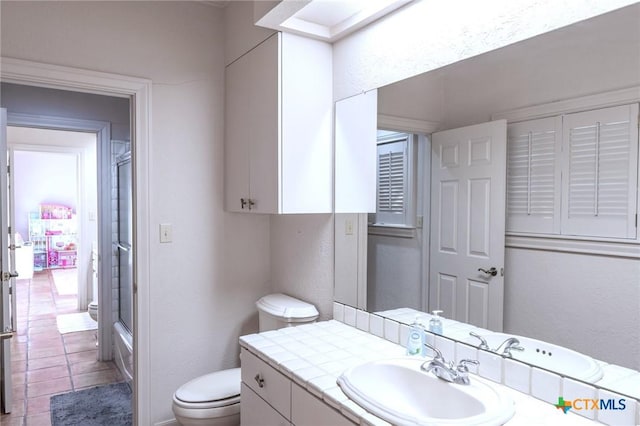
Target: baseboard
(172, 422)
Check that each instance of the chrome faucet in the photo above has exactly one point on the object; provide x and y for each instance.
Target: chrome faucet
(449, 372)
(511, 344)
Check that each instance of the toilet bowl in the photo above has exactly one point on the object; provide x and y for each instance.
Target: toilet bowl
(93, 310)
(214, 399)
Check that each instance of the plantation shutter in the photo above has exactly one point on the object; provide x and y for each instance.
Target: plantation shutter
(533, 176)
(601, 166)
(392, 182)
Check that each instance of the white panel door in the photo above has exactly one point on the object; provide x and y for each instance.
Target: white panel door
(468, 169)
(5, 292)
(356, 152)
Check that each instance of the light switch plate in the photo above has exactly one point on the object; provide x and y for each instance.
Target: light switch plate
(166, 233)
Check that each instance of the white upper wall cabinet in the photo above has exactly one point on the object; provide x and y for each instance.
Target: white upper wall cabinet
(356, 153)
(574, 174)
(278, 127)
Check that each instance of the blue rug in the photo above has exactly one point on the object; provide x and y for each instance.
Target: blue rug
(107, 405)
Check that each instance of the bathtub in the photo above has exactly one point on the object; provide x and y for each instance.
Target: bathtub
(123, 350)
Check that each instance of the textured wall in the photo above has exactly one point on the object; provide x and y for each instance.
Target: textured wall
(429, 34)
(587, 303)
(302, 259)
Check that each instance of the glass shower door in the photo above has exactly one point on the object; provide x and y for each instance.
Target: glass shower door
(124, 245)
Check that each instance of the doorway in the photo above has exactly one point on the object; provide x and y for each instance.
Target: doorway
(54, 189)
(138, 92)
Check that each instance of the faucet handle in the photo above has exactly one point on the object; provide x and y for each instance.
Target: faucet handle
(437, 352)
(463, 365)
(508, 349)
(483, 343)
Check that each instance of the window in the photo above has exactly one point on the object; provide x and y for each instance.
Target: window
(574, 174)
(395, 180)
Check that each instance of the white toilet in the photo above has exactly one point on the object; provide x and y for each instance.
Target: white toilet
(93, 310)
(214, 399)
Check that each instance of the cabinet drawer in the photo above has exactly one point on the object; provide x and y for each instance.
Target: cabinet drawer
(307, 410)
(269, 384)
(254, 411)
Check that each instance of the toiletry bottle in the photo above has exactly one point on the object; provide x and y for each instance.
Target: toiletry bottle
(415, 342)
(435, 324)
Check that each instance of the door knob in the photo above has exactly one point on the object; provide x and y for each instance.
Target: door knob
(491, 271)
(6, 276)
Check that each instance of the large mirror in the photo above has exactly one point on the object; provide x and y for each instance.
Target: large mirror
(581, 292)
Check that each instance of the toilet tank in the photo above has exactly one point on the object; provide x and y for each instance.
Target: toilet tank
(279, 311)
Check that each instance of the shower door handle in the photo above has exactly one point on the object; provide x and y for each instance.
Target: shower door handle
(121, 247)
(8, 333)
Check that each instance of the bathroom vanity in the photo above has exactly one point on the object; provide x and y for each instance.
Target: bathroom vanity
(289, 376)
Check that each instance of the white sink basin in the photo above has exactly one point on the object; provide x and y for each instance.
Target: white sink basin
(397, 391)
(548, 356)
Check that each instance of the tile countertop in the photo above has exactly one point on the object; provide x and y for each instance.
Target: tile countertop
(314, 355)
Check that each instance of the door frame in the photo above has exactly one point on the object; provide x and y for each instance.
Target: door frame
(139, 91)
(103, 136)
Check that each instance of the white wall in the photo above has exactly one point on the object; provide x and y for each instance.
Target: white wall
(31, 100)
(591, 57)
(205, 283)
(302, 259)
(42, 178)
(394, 273)
(587, 303)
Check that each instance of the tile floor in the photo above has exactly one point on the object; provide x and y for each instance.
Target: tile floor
(45, 362)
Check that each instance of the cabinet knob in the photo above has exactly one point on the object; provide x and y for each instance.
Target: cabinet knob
(243, 203)
(259, 380)
(251, 203)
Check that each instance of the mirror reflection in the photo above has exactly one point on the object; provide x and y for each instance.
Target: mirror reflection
(569, 274)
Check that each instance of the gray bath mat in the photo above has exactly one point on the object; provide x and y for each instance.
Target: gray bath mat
(107, 405)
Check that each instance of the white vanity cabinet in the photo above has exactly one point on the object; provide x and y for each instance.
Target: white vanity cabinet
(269, 398)
(278, 128)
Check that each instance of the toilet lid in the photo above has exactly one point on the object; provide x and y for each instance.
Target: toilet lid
(218, 386)
(283, 306)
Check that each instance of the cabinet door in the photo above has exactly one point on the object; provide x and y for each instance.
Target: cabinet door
(263, 124)
(307, 410)
(254, 411)
(269, 384)
(356, 152)
(236, 144)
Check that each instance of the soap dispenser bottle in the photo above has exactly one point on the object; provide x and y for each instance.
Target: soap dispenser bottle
(435, 324)
(415, 342)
